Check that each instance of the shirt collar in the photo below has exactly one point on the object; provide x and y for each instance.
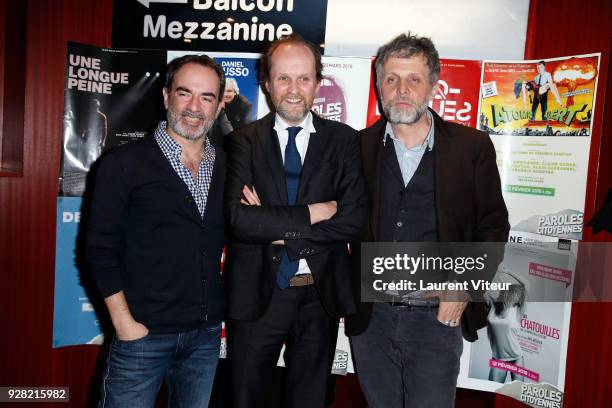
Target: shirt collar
(429, 139)
(307, 126)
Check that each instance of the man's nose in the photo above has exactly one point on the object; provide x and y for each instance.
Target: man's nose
(403, 87)
(293, 88)
(193, 104)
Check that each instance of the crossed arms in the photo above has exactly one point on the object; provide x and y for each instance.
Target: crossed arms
(306, 228)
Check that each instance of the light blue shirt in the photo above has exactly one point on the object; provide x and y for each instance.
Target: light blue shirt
(409, 159)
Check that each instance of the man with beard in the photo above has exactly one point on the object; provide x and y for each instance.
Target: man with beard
(295, 196)
(428, 180)
(154, 239)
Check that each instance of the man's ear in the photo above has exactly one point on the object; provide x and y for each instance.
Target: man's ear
(434, 90)
(166, 94)
(220, 108)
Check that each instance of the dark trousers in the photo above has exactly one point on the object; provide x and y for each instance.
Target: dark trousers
(407, 358)
(297, 318)
(541, 100)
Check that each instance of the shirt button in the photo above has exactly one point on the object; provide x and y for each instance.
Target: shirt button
(402, 210)
(399, 224)
(203, 252)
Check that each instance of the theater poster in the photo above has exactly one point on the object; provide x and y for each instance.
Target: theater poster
(539, 115)
(522, 350)
(111, 97)
(456, 99)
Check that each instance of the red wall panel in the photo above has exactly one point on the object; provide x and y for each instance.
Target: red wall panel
(559, 28)
(28, 203)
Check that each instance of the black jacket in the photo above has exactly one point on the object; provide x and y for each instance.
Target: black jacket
(238, 111)
(468, 201)
(146, 237)
(331, 171)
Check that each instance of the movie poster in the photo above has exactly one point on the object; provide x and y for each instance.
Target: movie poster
(455, 100)
(110, 97)
(539, 115)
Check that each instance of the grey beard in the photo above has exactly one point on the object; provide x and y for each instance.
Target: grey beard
(174, 124)
(289, 116)
(398, 116)
(292, 116)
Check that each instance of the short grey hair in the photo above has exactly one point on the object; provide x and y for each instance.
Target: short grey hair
(406, 46)
(232, 83)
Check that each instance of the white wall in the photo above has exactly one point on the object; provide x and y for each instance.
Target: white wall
(462, 29)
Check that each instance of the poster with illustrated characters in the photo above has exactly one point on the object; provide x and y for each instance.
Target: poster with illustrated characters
(539, 116)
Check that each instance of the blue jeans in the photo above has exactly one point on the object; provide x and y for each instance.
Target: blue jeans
(187, 361)
(407, 358)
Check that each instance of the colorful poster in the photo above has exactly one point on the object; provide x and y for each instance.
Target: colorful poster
(110, 97)
(538, 114)
(74, 318)
(455, 100)
(551, 97)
